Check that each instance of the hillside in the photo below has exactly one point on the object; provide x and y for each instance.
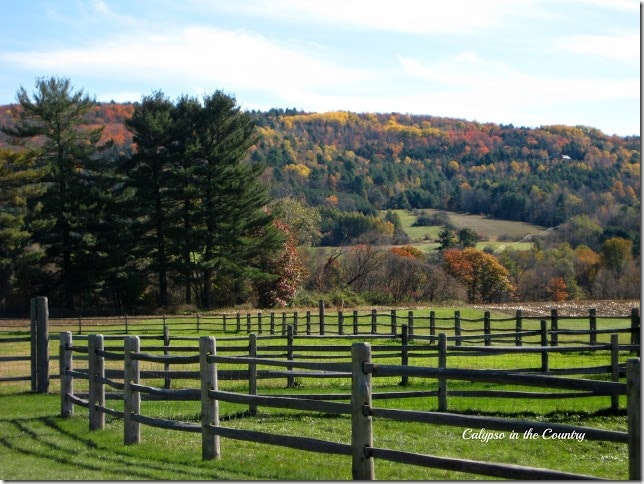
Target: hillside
(384, 192)
(368, 162)
(376, 161)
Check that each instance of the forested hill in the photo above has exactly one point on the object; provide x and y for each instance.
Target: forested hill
(366, 162)
(373, 161)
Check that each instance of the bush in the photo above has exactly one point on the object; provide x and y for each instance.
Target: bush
(437, 219)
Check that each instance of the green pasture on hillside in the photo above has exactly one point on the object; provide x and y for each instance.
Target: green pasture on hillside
(425, 238)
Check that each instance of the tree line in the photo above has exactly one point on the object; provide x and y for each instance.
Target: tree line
(195, 202)
(89, 228)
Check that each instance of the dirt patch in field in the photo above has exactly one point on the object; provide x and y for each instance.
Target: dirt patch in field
(565, 308)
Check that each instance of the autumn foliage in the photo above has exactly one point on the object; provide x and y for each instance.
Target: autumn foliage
(482, 274)
(288, 270)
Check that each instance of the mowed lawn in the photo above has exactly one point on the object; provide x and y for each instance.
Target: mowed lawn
(37, 444)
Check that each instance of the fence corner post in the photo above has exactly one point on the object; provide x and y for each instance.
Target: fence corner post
(66, 381)
(131, 398)
(362, 467)
(96, 388)
(210, 448)
(40, 344)
(633, 389)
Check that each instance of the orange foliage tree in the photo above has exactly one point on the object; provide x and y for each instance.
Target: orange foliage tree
(485, 278)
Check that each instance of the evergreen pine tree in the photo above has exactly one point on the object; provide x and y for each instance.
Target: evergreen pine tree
(234, 228)
(55, 126)
(19, 186)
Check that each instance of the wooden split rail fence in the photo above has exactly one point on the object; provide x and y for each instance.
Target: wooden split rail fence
(421, 326)
(360, 368)
(420, 322)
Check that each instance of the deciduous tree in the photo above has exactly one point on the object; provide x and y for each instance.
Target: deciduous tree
(482, 274)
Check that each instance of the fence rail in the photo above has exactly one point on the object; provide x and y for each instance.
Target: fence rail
(362, 370)
(343, 323)
(549, 333)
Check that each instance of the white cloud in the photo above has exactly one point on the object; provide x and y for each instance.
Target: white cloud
(403, 16)
(621, 47)
(472, 87)
(195, 56)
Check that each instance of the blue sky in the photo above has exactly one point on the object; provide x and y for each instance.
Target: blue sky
(520, 62)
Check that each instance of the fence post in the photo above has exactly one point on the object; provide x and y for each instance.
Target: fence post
(321, 306)
(252, 372)
(308, 322)
(592, 321)
(340, 323)
(40, 345)
(166, 351)
(80, 324)
(614, 365)
(410, 323)
(432, 325)
(290, 381)
(634, 406)
(225, 321)
(272, 323)
(296, 318)
(131, 398)
(394, 329)
(635, 330)
(209, 407)
(519, 328)
(442, 363)
(404, 353)
(248, 323)
(486, 327)
(42, 321)
(283, 324)
(554, 327)
(457, 327)
(66, 381)
(362, 467)
(355, 322)
(259, 322)
(238, 323)
(34, 344)
(374, 321)
(96, 372)
(126, 324)
(544, 343)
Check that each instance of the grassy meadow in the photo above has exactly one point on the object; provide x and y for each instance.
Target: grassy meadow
(38, 444)
(500, 234)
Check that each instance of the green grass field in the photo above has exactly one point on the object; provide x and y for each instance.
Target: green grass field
(38, 444)
(493, 230)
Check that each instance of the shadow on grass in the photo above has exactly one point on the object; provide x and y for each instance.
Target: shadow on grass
(93, 457)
